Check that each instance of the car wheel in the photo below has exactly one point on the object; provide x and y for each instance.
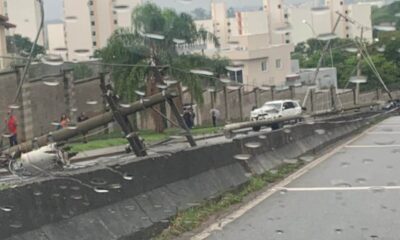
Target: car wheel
(275, 126)
(256, 129)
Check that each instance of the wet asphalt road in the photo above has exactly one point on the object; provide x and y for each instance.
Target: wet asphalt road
(353, 194)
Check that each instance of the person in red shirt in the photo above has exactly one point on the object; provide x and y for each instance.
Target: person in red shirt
(12, 128)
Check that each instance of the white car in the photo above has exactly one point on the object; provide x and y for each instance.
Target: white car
(275, 110)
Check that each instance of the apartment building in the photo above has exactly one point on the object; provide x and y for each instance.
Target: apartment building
(277, 20)
(262, 55)
(260, 63)
(89, 24)
(26, 15)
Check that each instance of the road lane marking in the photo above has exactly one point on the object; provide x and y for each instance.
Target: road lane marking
(221, 223)
(372, 146)
(383, 132)
(318, 189)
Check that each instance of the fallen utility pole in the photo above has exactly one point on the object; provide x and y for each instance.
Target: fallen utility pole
(92, 123)
(228, 129)
(130, 132)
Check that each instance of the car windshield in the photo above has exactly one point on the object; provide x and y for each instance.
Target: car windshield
(275, 106)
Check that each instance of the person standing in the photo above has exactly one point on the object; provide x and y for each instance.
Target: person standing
(64, 120)
(82, 117)
(187, 117)
(214, 115)
(12, 128)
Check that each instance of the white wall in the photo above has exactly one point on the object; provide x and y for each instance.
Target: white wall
(56, 38)
(326, 77)
(252, 22)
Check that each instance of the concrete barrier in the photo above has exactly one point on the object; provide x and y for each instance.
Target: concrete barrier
(145, 193)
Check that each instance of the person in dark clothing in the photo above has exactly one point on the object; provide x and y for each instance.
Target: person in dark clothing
(82, 117)
(214, 116)
(187, 117)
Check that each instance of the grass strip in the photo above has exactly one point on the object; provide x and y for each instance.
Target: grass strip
(191, 218)
(114, 139)
(4, 186)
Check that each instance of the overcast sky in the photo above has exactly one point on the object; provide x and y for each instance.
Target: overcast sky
(54, 10)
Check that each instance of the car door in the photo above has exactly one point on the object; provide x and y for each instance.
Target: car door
(288, 109)
(297, 108)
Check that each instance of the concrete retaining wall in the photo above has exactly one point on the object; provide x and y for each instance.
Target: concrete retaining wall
(161, 185)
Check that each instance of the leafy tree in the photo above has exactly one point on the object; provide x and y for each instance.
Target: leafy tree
(386, 62)
(82, 71)
(155, 59)
(386, 14)
(22, 46)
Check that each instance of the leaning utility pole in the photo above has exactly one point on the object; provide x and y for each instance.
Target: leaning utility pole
(102, 119)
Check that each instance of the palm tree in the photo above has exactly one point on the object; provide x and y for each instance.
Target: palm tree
(151, 46)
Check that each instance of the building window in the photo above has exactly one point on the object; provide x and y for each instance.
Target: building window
(229, 23)
(93, 33)
(347, 36)
(278, 63)
(279, 6)
(93, 23)
(91, 13)
(286, 15)
(115, 22)
(341, 3)
(94, 44)
(264, 65)
(287, 41)
(90, 3)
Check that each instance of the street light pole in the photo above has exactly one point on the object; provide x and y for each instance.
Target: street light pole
(240, 98)
(256, 96)
(226, 104)
(240, 103)
(357, 101)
